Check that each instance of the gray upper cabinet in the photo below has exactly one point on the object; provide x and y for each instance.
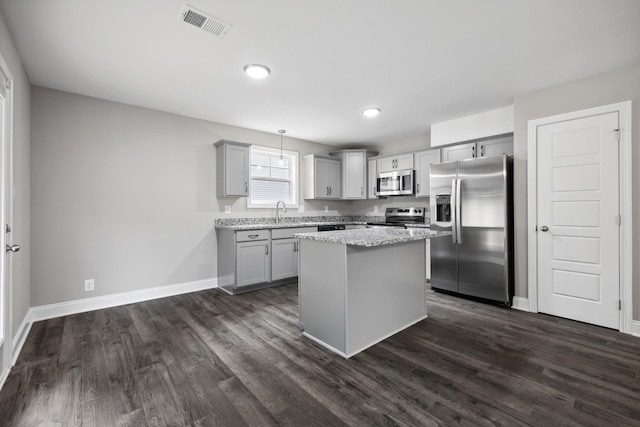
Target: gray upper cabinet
(496, 147)
(485, 148)
(423, 161)
(322, 178)
(354, 173)
(232, 164)
(372, 179)
(459, 152)
(394, 163)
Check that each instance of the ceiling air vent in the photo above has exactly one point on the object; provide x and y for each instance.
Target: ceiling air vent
(204, 21)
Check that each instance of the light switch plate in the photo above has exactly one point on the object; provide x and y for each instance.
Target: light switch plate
(375, 209)
(326, 208)
(227, 208)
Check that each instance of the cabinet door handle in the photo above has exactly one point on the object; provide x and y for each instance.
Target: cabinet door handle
(252, 236)
(418, 189)
(329, 190)
(473, 152)
(482, 151)
(362, 191)
(266, 249)
(246, 187)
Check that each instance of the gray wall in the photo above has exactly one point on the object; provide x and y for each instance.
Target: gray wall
(126, 196)
(21, 233)
(617, 86)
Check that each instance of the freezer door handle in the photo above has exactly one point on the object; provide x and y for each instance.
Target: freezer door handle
(459, 211)
(453, 204)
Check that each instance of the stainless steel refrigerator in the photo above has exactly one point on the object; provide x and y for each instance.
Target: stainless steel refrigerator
(474, 200)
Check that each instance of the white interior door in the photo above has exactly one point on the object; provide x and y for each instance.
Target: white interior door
(578, 219)
(5, 206)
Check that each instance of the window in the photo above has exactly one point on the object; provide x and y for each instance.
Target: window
(272, 178)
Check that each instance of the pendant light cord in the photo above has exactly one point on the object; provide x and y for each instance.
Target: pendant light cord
(281, 132)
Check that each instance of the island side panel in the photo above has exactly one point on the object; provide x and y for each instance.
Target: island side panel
(321, 287)
(386, 291)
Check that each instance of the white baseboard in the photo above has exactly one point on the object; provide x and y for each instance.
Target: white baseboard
(50, 311)
(4, 376)
(21, 336)
(520, 303)
(635, 328)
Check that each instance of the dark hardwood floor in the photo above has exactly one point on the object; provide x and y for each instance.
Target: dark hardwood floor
(208, 358)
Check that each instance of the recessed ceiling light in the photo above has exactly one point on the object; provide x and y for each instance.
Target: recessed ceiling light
(371, 112)
(257, 71)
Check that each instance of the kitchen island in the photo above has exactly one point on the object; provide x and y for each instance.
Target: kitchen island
(358, 287)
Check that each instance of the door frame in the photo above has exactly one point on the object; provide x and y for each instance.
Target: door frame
(624, 178)
(6, 214)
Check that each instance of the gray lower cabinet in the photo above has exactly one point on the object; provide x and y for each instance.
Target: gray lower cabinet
(254, 263)
(284, 259)
(284, 252)
(255, 259)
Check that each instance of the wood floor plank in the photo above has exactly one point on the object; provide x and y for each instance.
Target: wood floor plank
(208, 358)
(246, 404)
(122, 388)
(95, 398)
(157, 397)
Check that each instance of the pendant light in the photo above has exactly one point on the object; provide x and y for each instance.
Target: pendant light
(281, 161)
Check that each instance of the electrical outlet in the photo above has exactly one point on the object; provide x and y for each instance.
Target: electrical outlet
(375, 209)
(227, 208)
(326, 208)
(89, 285)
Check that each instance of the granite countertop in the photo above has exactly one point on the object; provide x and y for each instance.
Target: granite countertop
(371, 237)
(241, 224)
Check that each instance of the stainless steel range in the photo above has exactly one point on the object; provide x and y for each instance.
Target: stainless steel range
(399, 217)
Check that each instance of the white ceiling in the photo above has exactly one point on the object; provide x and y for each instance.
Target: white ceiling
(421, 61)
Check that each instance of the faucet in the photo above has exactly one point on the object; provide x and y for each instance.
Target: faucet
(284, 209)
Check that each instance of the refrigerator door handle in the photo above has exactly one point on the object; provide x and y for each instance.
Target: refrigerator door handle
(453, 205)
(459, 211)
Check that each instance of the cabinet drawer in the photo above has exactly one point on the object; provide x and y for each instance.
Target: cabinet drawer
(287, 233)
(249, 235)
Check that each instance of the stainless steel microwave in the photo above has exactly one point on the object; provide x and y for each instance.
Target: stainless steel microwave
(396, 183)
